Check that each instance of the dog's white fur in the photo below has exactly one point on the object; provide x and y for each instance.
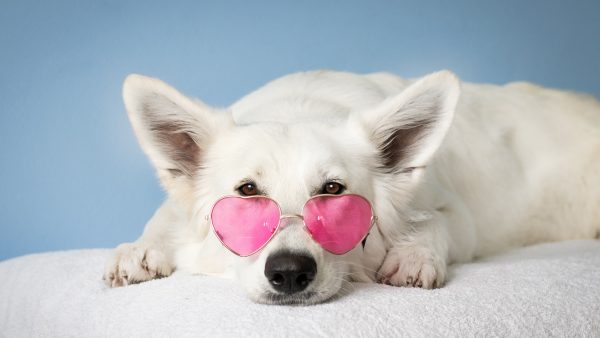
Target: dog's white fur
(449, 179)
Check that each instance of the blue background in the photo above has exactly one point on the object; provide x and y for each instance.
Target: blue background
(72, 173)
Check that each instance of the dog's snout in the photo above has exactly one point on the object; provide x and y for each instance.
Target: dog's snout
(290, 273)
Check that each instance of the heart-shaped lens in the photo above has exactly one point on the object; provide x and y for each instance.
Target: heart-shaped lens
(245, 225)
(338, 223)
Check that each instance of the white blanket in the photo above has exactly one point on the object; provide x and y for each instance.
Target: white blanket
(545, 290)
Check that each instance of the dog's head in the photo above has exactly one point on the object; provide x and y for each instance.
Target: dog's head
(202, 154)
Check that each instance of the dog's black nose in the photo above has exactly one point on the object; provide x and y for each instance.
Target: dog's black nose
(290, 273)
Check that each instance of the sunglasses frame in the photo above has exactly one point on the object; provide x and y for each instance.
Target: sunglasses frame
(287, 216)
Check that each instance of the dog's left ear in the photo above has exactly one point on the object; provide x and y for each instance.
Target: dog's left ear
(408, 128)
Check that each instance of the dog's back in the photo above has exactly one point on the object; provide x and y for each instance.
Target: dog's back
(526, 162)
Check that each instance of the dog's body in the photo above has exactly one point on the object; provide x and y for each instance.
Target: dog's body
(515, 165)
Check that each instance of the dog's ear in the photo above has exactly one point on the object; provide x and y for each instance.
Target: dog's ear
(408, 128)
(172, 129)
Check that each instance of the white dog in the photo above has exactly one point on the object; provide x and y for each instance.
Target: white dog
(449, 179)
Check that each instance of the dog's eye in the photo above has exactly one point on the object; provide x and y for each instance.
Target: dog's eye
(248, 189)
(332, 188)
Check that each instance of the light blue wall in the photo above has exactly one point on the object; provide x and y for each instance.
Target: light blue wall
(72, 173)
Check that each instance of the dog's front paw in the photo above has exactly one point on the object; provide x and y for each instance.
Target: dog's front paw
(412, 266)
(134, 263)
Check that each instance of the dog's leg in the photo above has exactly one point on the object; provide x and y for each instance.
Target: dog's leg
(149, 257)
(419, 258)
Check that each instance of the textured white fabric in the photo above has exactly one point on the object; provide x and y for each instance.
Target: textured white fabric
(545, 290)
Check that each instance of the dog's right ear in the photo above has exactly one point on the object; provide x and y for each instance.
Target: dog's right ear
(172, 129)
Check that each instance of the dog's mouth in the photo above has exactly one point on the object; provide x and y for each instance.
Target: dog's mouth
(304, 298)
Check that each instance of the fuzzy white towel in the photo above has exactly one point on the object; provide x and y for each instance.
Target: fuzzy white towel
(545, 290)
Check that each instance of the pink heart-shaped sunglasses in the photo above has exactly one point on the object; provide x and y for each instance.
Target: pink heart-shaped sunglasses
(336, 222)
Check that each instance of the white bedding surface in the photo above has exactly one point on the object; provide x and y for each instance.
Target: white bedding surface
(545, 290)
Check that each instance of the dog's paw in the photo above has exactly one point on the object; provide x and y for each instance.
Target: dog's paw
(134, 263)
(412, 266)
